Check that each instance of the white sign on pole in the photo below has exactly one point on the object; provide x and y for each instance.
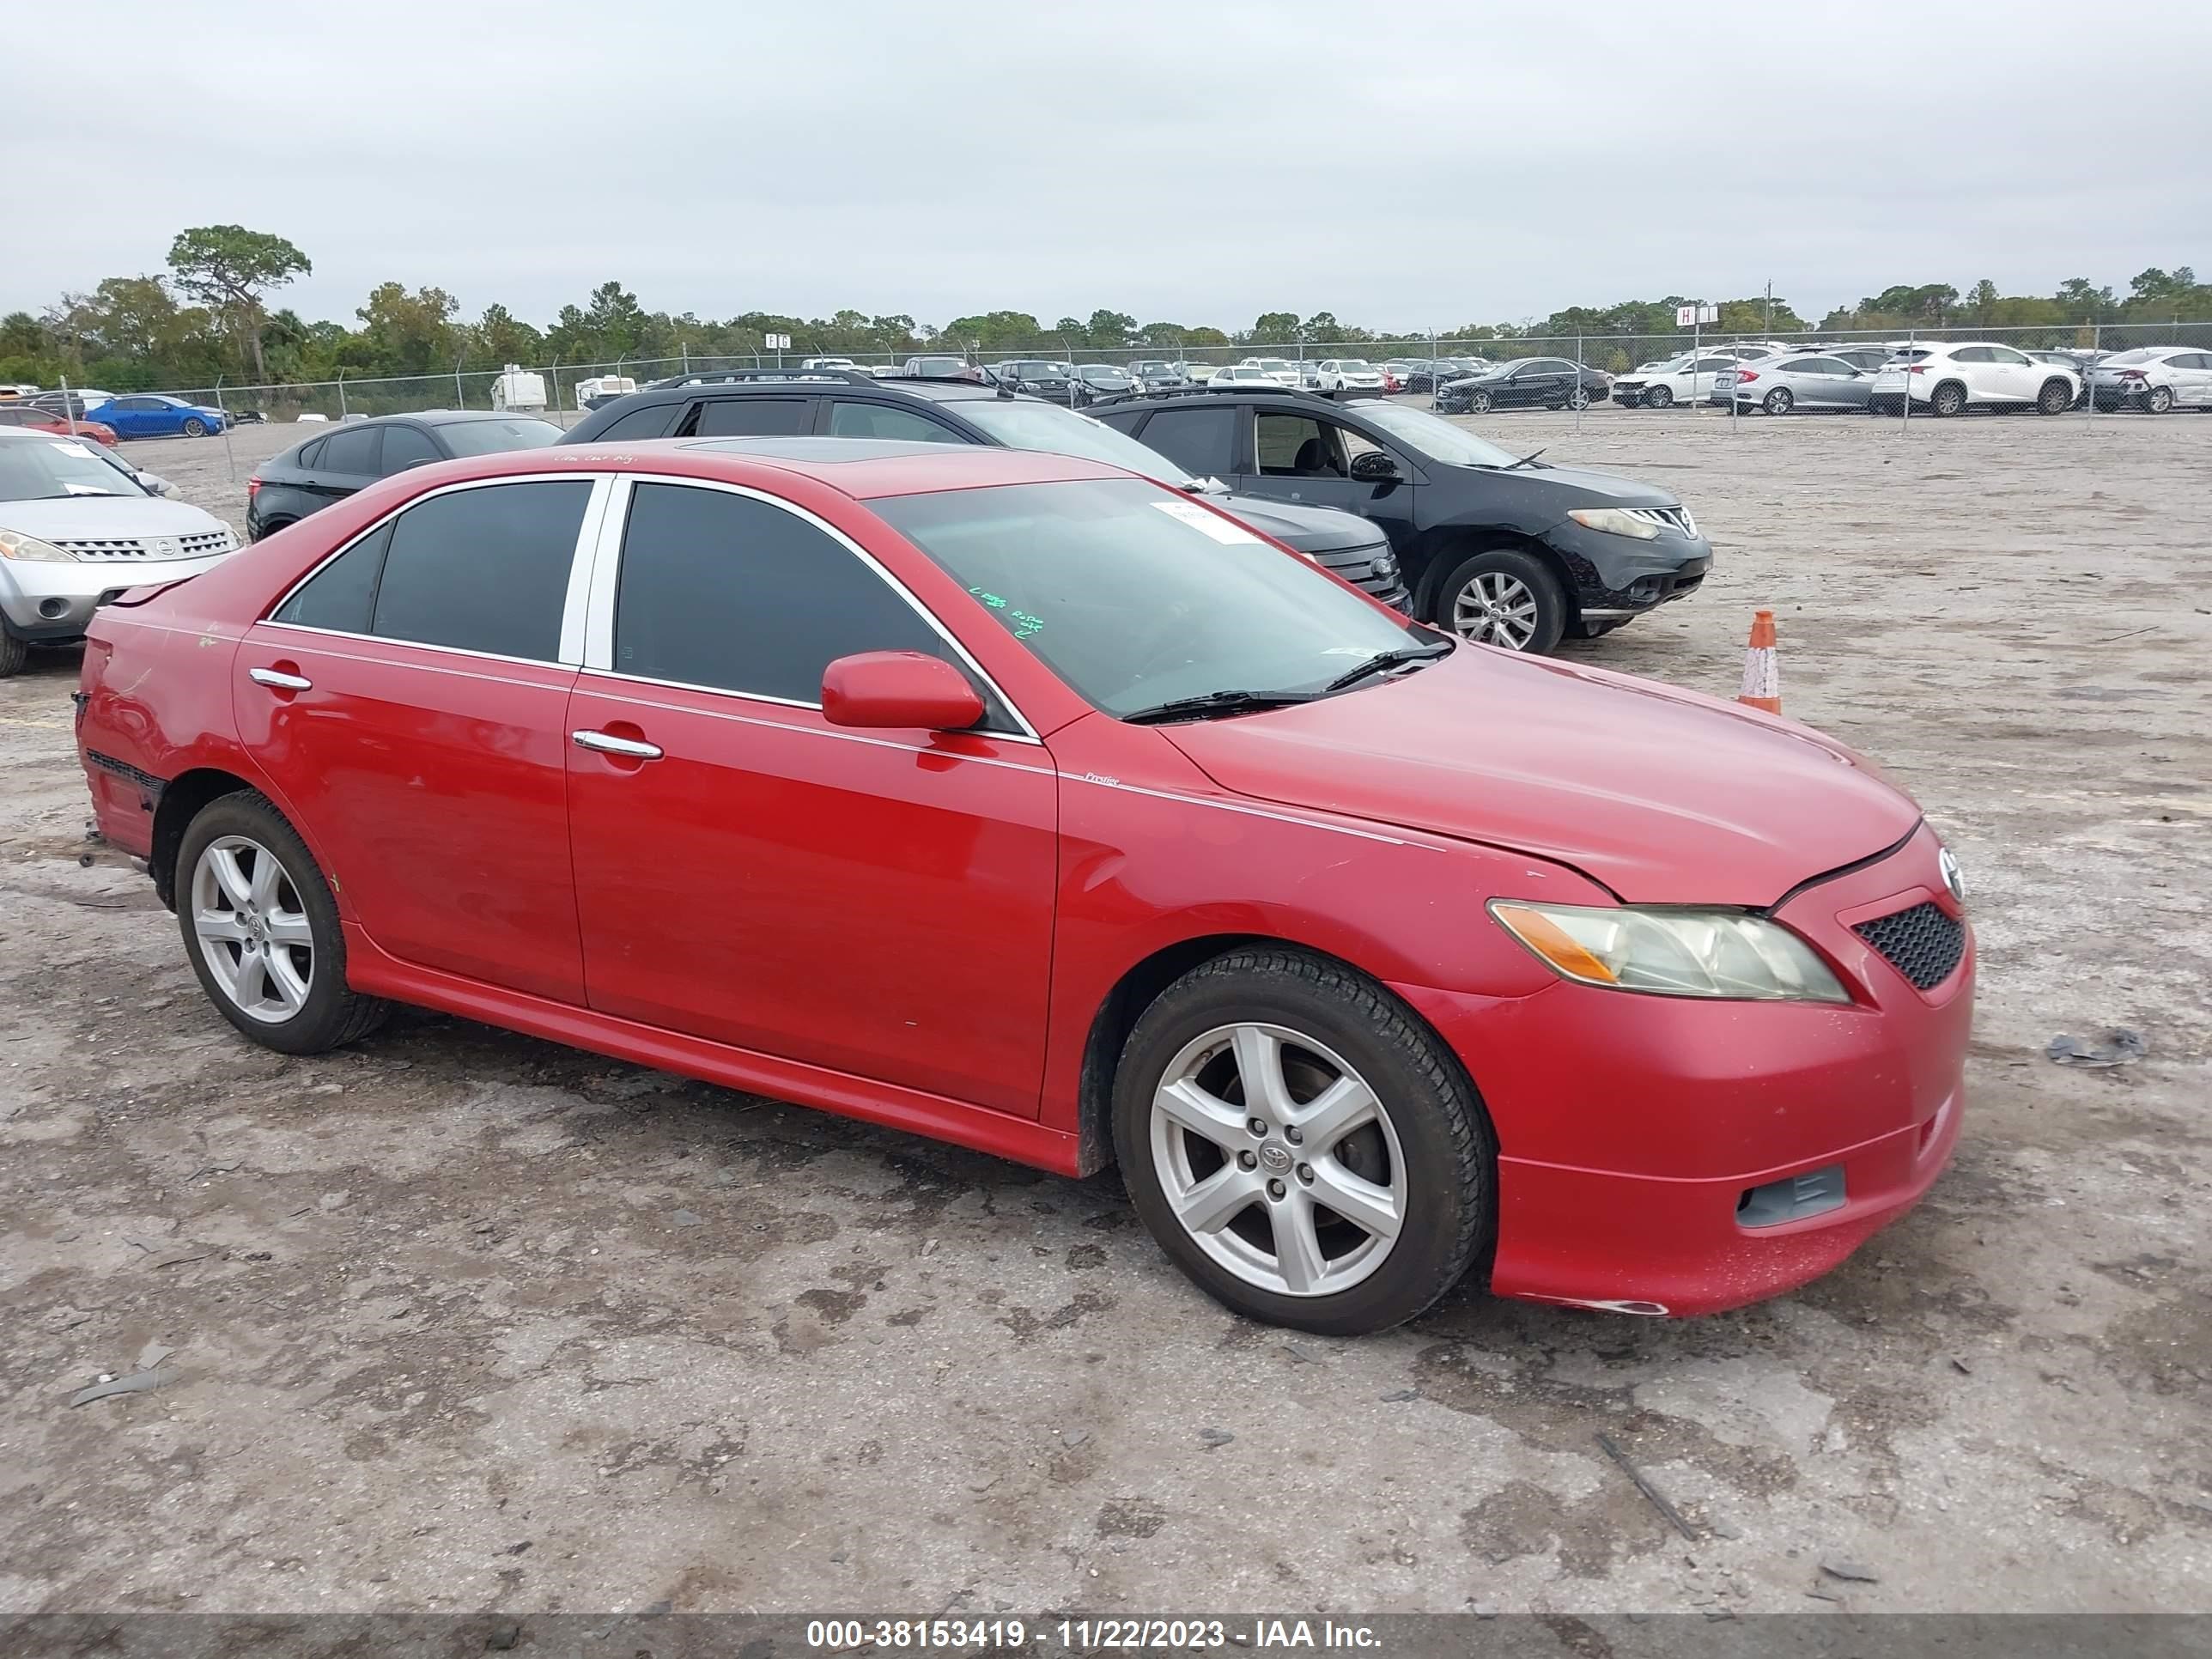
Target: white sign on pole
(775, 343)
(1691, 316)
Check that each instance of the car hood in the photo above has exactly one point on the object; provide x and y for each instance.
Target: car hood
(87, 518)
(1308, 529)
(1665, 796)
(1578, 488)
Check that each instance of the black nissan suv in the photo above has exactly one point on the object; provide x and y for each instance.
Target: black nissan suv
(1509, 551)
(831, 403)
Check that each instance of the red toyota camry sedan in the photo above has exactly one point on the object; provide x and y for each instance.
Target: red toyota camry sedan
(1017, 801)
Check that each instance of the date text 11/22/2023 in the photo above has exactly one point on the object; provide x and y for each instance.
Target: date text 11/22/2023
(1085, 1635)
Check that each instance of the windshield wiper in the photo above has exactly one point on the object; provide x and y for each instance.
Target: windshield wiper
(1210, 703)
(1382, 659)
(1525, 459)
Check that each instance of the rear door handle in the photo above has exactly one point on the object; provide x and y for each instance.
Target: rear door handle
(278, 679)
(606, 743)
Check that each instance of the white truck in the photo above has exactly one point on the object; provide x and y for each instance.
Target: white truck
(603, 389)
(518, 389)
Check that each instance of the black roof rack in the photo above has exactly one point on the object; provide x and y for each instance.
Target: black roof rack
(1234, 389)
(728, 376)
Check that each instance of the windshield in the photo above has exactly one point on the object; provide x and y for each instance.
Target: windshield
(1269, 365)
(1352, 363)
(50, 469)
(1433, 436)
(1135, 596)
(1047, 427)
(1101, 371)
(489, 437)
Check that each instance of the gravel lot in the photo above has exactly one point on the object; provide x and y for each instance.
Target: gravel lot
(462, 1319)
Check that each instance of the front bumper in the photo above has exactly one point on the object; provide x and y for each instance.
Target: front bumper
(1632, 1129)
(47, 602)
(1620, 577)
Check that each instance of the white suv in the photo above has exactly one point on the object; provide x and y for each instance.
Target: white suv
(1350, 375)
(1951, 379)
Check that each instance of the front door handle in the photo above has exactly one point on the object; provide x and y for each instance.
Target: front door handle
(606, 743)
(278, 679)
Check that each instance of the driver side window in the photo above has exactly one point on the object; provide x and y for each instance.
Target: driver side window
(1299, 447)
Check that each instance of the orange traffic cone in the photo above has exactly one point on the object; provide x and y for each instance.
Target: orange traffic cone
(1762, 675)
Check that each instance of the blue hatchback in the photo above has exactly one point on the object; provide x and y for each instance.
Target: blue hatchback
(151, 415)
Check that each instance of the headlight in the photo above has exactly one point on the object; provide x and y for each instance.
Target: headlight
(1615, 522)
(14, 544)
(1672, 952)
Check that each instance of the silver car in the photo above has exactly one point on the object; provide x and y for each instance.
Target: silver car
(77, 529)
(1793, 381)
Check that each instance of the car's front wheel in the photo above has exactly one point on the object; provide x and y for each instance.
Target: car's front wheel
(1579, 398)
(1478, 402)
(262, 930)
(1658, 397)
(13, 653)
(2055, 397)
(1301, 1145)
(1504, 596)
(195, 427)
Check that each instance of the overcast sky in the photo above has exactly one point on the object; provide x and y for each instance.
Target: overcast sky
(1405, 165)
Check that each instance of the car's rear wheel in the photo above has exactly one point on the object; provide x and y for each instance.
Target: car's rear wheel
(1658, 397)
(195, 427)
(2055, 399)
(262, 930)
(1777, 401)
(1504, 596)
(2159, 399)
(1949, 398)
(1301, 1145)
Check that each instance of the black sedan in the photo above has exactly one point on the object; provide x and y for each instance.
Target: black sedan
(331, 466)
(1524, 383)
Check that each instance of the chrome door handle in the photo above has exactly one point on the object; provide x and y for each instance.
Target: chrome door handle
(606, 743)
(279, 680)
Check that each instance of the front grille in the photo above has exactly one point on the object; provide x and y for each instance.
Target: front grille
(1923, 944)
(1667, 518)
(1375, 569)
(198, 545)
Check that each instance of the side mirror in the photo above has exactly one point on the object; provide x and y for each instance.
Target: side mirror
(1373, 467)
(877, 688)
(149, 481)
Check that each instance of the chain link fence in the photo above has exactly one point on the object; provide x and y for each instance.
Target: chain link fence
(1688, 373)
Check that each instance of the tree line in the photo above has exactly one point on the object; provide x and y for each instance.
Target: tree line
(209, 317)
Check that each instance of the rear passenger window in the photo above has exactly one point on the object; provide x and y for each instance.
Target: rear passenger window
(724, 591)
(483, 569)
(850, 420)
(752, 417)
(312, 457)
(653, 421)
(1200, 440)
(405, 446)
(343, 594)
(354, 451)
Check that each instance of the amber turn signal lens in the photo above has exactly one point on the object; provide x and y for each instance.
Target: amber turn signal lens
(1551, 941)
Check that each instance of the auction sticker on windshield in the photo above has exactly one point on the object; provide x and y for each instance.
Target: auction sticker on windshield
(1224, 530)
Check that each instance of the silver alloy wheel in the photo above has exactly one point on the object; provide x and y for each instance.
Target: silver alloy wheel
(1779, 401)
(1578, 398)
(1496, 608)
(252, 929)
(1267, 1146)
(2159, 399)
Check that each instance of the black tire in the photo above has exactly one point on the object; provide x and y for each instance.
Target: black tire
(1447, 1155)
(1947, 399)
(195, 427)
(1658, 397)
(331, 1014)
(2159, 399)
(1777, 401)
(1551, 618)
(270, 529)
(13, 653)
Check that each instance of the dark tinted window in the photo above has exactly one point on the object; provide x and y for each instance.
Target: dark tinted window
(752, 417)
(483, 569)
(1973, 354)
(850, 420)
(495, 437)
(1200, 440)
(353, 453)
(724, 591)
(403, 445)
(653, 421)
(310, 455)
(343, 594)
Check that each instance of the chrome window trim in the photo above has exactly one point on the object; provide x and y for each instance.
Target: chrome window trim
(600, 623)
(567, 668)
(568, 651)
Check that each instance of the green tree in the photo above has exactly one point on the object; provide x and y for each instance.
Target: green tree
(1273, 328)
(230, 270)
(405, 333)
(1111, 328)
(502, 339)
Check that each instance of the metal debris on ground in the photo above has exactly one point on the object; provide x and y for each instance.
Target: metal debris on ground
(136, 1383)
(1851, 1572)
(1656, 1498)
(1212, 1437)
(2121, 1047)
